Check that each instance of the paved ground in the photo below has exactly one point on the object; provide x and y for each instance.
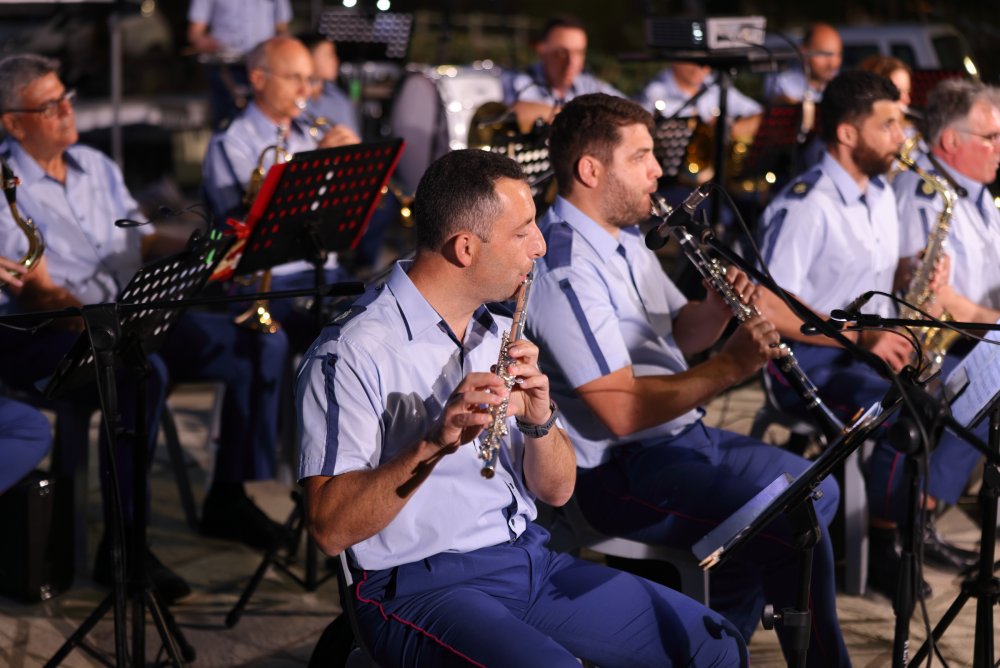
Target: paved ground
(282, 621)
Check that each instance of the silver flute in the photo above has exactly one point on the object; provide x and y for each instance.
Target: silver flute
(715, 274)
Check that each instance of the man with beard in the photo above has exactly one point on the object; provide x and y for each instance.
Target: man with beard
(830, 236)
(395, 399)
(612, 331)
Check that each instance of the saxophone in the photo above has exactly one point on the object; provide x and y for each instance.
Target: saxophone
(36, 243)
(713, 272)
(491, 442)
(934, 341)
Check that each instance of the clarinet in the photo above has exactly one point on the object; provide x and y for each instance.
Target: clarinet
(714, 273)
(491, 442)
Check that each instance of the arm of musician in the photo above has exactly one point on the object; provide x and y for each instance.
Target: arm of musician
(627, 403)
(349, 507)
(281, 28)
(549, 461)
(528, 112)
(698, 325)
(6, 275)
(339, 135)
(199, 38)
(39, 292)
(962, 308)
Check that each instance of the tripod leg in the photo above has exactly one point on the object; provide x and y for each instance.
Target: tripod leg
(81, 632)
(176, 645)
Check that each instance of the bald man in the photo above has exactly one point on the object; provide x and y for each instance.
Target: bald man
(822, 52)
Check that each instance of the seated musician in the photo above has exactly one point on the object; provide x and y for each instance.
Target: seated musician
(672, 93)
(223, 32)
(74, 194)
(282, 76)
(613, 330)
(537, 93)
(394, 400)
(25, 435)
(830, 236)
(822, 52)
(327, 101)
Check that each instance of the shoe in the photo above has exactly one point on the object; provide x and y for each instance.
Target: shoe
(941, 553)
(884, 564)
(233, 516)
(170, 586)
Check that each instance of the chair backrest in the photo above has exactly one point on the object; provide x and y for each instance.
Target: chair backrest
(361, 656)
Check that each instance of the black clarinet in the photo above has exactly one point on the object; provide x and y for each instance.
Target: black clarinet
(713, 272)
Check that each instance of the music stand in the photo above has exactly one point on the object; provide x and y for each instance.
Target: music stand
(320, 201)
(775, 144)
(973, 390)
(125, 332)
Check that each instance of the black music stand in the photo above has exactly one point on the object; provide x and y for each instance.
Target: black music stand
(318, 202)
(124, 333)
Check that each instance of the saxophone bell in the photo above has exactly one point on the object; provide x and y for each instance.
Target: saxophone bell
(36, 243)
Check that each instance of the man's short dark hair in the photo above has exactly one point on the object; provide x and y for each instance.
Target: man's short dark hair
(590, 125)
(850, 98)
(458, 192)
(560, 21)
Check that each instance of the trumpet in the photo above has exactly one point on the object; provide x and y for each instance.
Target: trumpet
(36, 243)
(258, 316)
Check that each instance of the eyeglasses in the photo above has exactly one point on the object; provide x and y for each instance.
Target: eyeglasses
(297, 79)
(52, 108)
(991, 137)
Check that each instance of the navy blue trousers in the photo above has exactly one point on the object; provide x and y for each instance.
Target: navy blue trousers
(675, 491)
(520, 604)
(24, 440)
(846, 385)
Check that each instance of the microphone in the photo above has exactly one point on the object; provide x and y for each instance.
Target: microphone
(163, 212)
(657, 237)
(839, 317)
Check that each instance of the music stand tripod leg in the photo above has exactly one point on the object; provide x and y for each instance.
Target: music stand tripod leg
(984, 586)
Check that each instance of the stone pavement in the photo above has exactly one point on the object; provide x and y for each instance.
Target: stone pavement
(283, 621)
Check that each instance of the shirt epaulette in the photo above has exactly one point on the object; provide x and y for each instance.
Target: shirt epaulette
(344, 317)
(925, 189)
(801, 188)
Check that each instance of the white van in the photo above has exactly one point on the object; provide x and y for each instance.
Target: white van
(934, 46)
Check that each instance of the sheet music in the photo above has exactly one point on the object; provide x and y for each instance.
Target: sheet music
(972, 386)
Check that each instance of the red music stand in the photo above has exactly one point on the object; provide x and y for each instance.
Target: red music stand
(925, 80)
(775, 145)
(317, 202)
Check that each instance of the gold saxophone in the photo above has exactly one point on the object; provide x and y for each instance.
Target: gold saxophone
(934, 341)
(36, 243)
(491, 442)
(258, 316)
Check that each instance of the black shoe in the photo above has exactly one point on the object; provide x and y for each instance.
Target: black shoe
(884, 565)
(941, 553)
(235, 517)
(169, 585)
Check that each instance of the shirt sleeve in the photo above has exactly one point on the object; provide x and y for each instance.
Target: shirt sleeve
(200, 11)
(573, 316)
(792, 235)
(282, 12)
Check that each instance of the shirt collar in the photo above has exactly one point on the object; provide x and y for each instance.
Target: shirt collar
(846, 186)
(593, 234)
(29, 171)
(974, 189)
(264, 126)
(417, 312)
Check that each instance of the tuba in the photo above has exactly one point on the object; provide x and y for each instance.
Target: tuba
(934, 342)
(36, 244)
(258, 316)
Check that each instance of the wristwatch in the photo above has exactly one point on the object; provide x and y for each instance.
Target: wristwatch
(539, 430)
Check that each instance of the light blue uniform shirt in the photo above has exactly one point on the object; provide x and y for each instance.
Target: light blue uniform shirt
(791, 84)
(85, 253)
(240, 25)
(374, 384)
(334, 105)
(827, 242)
(530, 86)
(599, 304)
(662, 94)
(974, 235)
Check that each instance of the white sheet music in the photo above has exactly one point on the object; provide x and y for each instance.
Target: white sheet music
(972, 385)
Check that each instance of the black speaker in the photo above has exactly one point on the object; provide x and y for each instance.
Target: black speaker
(36, 553)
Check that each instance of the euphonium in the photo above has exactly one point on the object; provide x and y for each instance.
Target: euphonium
(36, 244)
(258, 316)
(715, 274)
(491, 441)
(934, 341)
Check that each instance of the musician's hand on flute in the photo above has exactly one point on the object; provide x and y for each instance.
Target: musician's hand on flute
(465, 413)
(529, 399)
(752, 344)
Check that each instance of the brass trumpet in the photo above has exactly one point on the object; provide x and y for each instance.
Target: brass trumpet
(258, 316)
(36, 243)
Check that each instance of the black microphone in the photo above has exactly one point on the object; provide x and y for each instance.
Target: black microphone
(162, 213)
(840, 317)
(657, 237)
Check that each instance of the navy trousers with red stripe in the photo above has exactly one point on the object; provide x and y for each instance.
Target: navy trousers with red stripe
(520, 604)
(674, 491)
